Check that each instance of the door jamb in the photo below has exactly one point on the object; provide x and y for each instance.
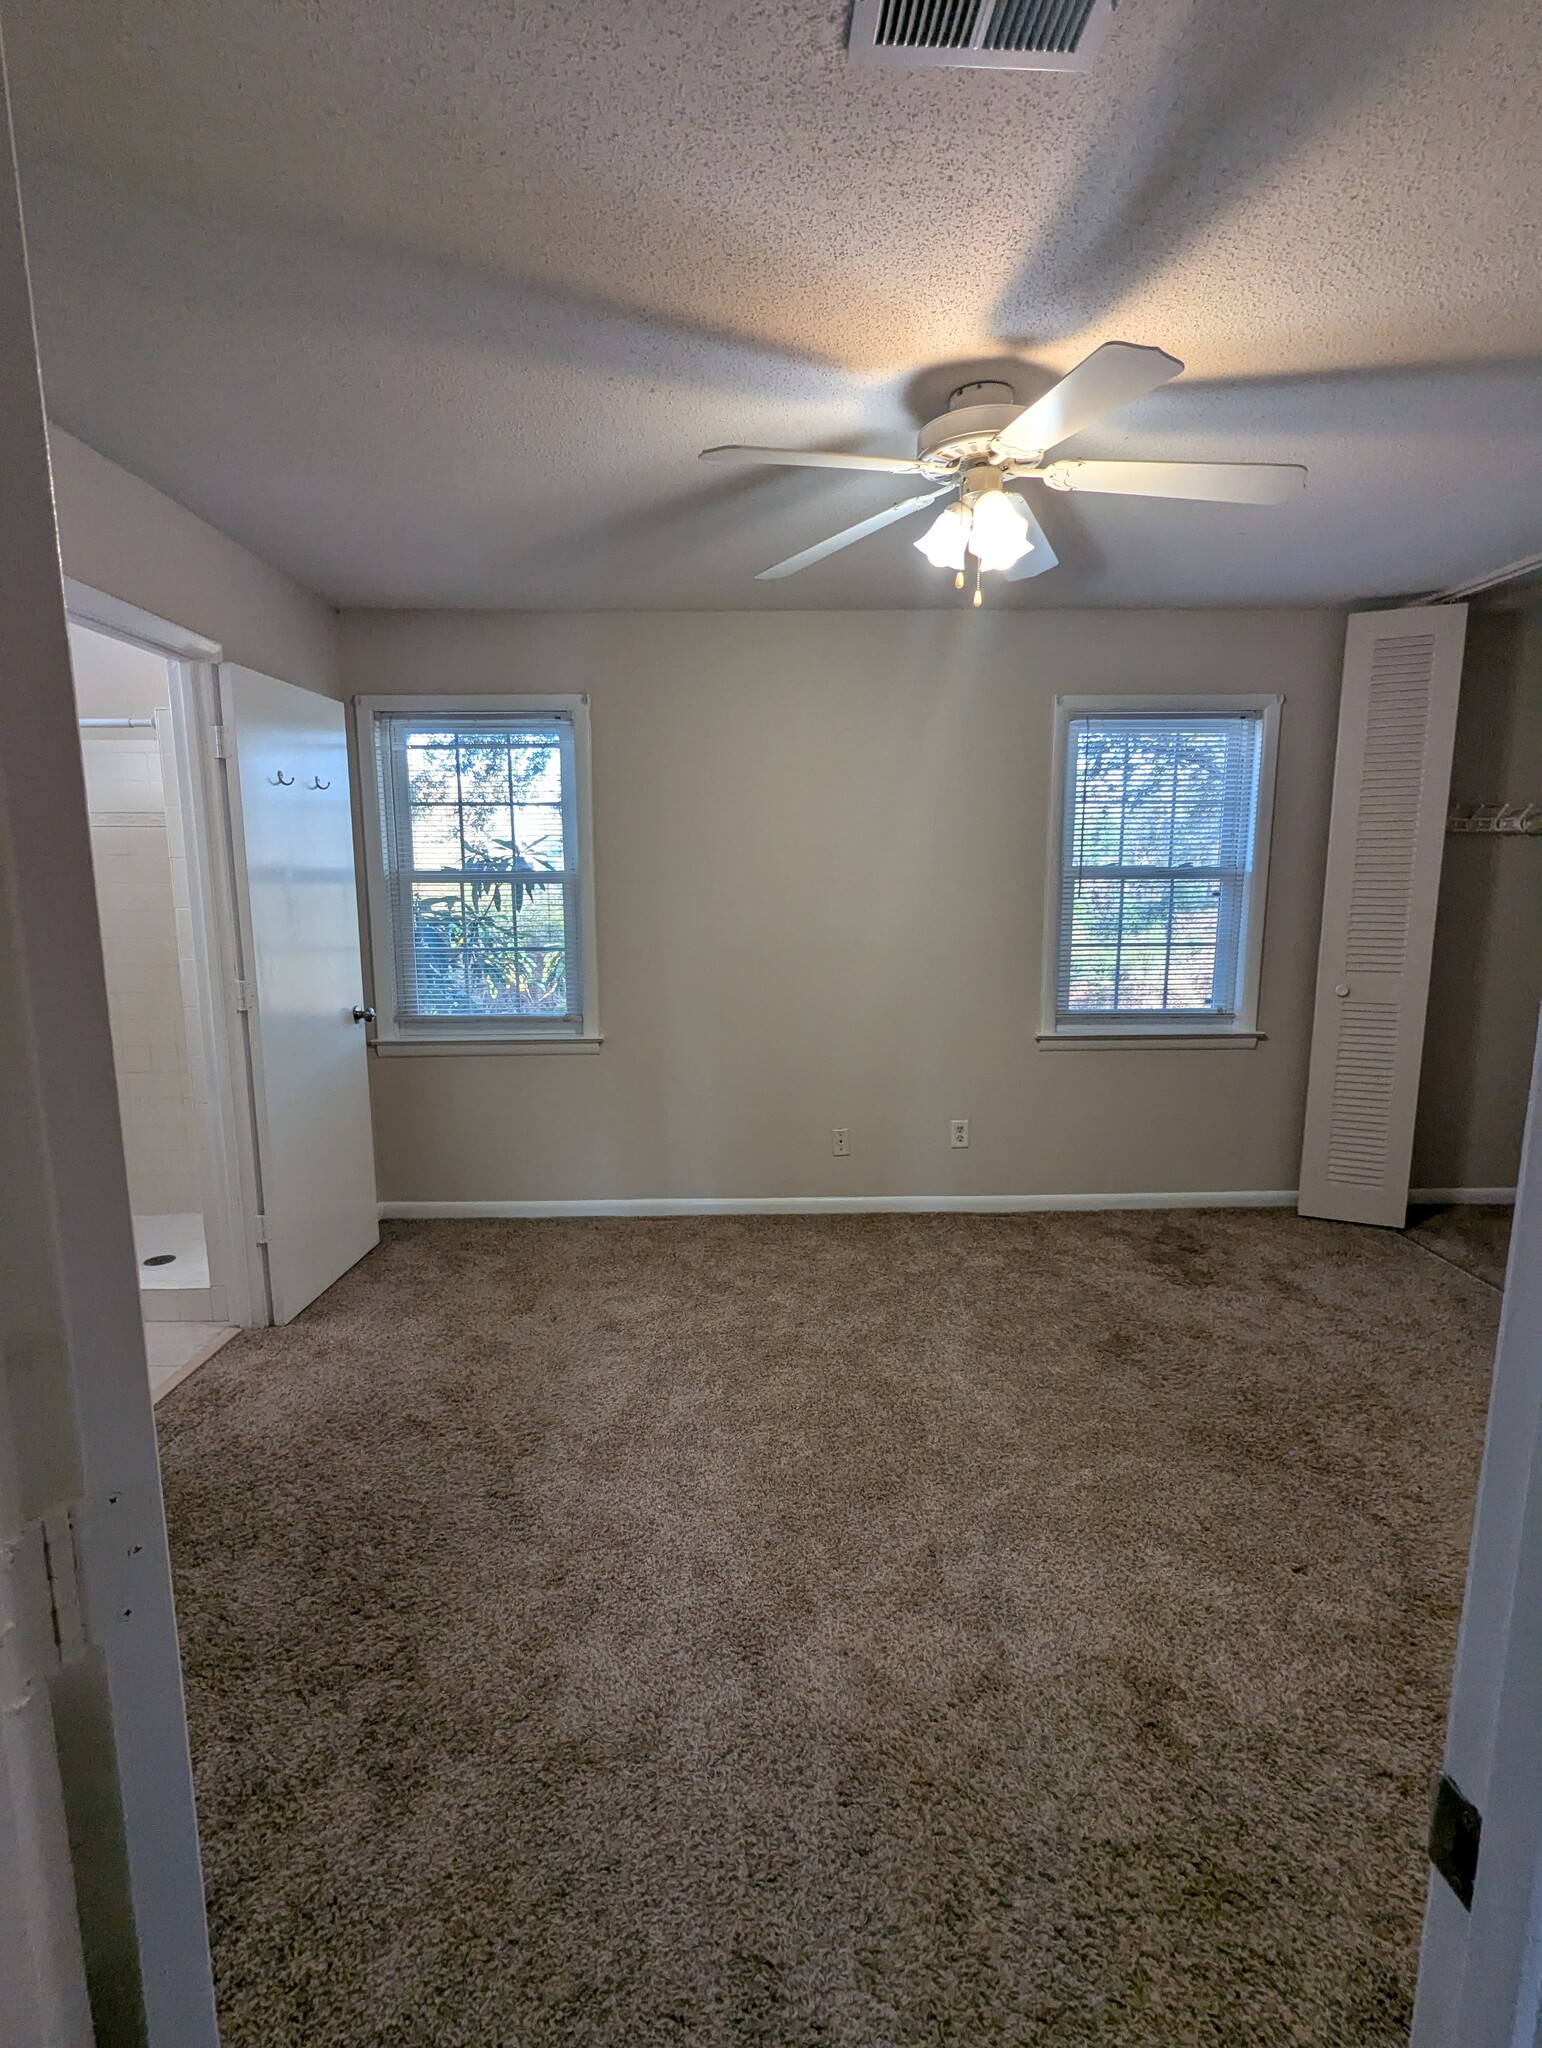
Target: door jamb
(1480, 1970)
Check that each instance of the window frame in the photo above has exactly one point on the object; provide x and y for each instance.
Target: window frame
(1134, 1028)
(466, 1034)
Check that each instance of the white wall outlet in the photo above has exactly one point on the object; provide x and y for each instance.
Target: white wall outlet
(840, 1142)
(958, 1133)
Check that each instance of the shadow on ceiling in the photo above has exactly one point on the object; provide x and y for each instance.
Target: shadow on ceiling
(1233, 96)
(315, 277)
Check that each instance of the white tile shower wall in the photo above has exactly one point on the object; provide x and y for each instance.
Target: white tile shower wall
(141, 879)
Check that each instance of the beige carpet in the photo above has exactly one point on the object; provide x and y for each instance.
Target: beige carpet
(1475, 1237)
(881, 1631)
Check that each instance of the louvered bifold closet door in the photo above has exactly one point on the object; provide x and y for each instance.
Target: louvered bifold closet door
(1391, 781)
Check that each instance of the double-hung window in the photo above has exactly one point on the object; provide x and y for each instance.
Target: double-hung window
(479, 871)
(1158, 859)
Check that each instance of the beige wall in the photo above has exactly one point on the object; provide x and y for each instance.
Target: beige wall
(821, 843)
(121, 536)
(1486, 981)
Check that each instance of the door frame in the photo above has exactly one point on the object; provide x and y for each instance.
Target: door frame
(73, 1375)
(233, 1163)
(1480, 1969)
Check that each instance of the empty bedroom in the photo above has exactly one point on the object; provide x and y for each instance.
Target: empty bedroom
(771, 794)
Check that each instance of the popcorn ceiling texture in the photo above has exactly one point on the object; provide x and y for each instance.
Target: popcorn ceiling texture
(876, 1632)
(436, 304)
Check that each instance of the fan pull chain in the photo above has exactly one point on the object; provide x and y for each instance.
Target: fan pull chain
(979, 595)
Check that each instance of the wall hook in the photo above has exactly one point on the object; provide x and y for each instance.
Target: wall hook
(281, 780)
(317, 783)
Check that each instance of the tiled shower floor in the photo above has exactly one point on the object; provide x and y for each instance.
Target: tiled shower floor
(182, 1237)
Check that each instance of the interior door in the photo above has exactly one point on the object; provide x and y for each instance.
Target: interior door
(1480, 1969)
(1391, 781)
(292, 832)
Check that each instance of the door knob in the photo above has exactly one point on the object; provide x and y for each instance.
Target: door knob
(366, 1015)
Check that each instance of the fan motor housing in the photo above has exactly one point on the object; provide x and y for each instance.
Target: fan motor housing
(964, 431)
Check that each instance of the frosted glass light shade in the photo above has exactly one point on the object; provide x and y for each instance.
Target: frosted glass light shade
(998, 533)
(946, 539)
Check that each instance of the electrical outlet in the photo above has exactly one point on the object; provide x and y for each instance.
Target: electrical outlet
(840, 1142)
(958, 1133)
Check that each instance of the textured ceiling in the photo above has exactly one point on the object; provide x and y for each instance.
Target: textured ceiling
(435, 301)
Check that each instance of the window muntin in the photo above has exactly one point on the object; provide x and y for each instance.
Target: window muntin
(1159, 834)
(480, 859)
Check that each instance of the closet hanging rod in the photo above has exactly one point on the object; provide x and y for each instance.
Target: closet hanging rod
(116, 721)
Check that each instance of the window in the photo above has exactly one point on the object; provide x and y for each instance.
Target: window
(479, 871)
(1157, 874)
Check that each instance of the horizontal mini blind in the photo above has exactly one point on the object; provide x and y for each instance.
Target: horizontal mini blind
(1157, 857)
(480, 843)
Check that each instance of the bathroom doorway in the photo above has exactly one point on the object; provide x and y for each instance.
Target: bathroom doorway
(183, 1086)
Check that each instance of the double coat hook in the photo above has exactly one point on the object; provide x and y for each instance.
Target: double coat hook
(280, 780)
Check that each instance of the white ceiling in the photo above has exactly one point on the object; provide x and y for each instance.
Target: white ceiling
(433, 302)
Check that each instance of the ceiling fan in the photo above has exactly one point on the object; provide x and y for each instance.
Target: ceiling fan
(985, 441)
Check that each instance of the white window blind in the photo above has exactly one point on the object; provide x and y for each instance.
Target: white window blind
(1157, 868)
(479, 844)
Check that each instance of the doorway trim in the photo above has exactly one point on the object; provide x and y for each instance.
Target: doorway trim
(234, 1169)
(1480, 1967)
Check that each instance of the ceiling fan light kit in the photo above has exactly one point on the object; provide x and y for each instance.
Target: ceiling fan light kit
(986, 441)
(982, 521)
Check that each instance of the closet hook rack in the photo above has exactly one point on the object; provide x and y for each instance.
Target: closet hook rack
(1504, 821)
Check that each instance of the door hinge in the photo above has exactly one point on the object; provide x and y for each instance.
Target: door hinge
(262, 1229)
(246, 995)
(220, 736)
(1456, 1830)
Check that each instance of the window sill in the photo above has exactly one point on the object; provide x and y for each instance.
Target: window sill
(483, 1048)
(1181, 1041)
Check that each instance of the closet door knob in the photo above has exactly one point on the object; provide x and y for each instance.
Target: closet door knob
(363, 1016)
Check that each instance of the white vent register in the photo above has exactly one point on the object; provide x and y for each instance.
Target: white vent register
(1002, 35)
(1391, 778)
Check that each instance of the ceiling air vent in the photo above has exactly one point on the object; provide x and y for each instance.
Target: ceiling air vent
(996, 35)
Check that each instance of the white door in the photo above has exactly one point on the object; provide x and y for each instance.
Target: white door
(292, 827)
(1391, 782)
(1480, 1970)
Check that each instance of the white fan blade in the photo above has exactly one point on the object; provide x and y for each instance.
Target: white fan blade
(816, 458)
(1040, 557)
(860, 531)
(1222, 483)
(1115, 374)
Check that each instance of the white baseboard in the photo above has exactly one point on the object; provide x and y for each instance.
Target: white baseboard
(847, 1205)
(899, 1205)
